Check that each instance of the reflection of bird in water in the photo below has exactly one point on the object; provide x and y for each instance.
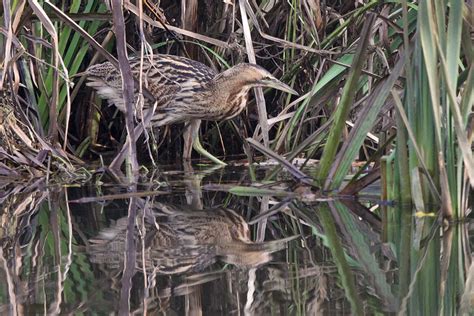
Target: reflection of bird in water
(186, 91)
(180, 241)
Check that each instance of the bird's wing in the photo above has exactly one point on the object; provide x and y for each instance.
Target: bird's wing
(170, 79)
(174, 80)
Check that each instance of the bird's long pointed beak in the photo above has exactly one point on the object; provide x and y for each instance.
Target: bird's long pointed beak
(277, 84)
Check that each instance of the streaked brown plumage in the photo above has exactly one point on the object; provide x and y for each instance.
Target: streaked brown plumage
(178, 240)
(185, 90)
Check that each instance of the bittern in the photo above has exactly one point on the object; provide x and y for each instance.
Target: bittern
(178, 240)
(186, 91)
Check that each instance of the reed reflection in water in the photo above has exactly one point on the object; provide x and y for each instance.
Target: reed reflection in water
(189, 258)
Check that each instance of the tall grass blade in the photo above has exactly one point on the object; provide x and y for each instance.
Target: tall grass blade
(398, 104)
(347, 98)
(53, 105)
(459, 127)
(363, 126)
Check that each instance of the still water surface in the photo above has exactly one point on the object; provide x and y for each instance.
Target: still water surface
(195, 249)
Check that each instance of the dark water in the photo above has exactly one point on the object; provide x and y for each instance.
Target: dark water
(195, 249)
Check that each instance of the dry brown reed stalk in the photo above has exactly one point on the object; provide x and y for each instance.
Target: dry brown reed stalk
(18, 146)
(25, 156)
(259, 98)
(127, 85)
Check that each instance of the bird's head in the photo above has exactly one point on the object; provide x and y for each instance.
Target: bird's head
(251, 75)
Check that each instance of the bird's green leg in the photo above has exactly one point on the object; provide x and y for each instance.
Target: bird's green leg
(198, 147)
(191, 140)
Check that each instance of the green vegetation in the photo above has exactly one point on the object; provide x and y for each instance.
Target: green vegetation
(388, 84)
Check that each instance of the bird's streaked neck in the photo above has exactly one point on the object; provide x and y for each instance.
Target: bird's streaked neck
(241, 76)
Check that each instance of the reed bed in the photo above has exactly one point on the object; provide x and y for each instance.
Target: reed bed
(388, 84)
